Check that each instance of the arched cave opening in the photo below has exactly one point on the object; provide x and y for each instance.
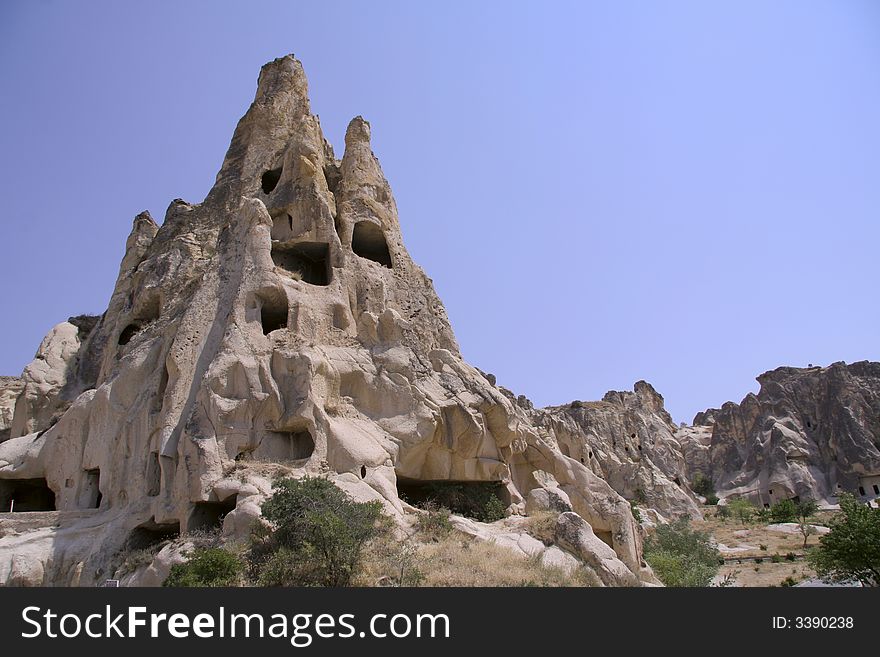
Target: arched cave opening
(368, 241)
(208, 516)
(309, 261)
(269, 180)
(151, 534)
(279, 446)
(21, 495)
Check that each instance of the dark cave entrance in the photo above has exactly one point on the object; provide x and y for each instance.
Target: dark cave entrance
(269, 180)
(90, 497)
(309, 260)
(368, 241)
(21, 495)
(151, 534)
(480, 500)
(208, 516)
(280, 446)
(274, 309)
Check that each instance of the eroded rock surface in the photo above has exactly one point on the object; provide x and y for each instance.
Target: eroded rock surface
(278, 327)
(808, 433)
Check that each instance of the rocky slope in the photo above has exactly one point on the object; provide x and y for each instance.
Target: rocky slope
(809, 433)
(629, 440)
(279, 327)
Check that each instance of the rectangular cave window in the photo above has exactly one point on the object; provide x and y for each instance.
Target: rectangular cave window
(274, 311)
(208, 516)
(90, 498)
(368, 241)
(876, 490)
(154, 475)
(20, 495)
(480, 500)
(309, 261)
(862, 491)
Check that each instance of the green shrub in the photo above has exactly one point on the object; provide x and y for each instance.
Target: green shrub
(435, 520)
(318, 536)
(788, 581)
(722, 512)
(790, 556)
(703, 486)
(762, 547)
(784, 511)
(207, 567)
(741, 509)
(681, 556)
(851, 550)
(776, 558)
(712, 499)
(635, 511)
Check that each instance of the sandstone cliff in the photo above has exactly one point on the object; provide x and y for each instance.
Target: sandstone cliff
(809, 433)
(281, 327)
(629, 440)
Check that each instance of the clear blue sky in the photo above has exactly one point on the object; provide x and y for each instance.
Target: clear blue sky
(682, 192)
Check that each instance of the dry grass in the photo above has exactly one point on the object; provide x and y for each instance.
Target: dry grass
(461, 561)
(455, 559)
(542, 525)
(752, 536)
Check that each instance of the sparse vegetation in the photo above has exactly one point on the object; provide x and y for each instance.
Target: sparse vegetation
(783, 511)
(318, 535)
(703, 486)
(851, 550)
(741, 509)
(434, 521)
(207, 567)
(478, 500)
(682, 556)
(542, 525)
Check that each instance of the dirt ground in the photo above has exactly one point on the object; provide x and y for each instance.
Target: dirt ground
(742, 546)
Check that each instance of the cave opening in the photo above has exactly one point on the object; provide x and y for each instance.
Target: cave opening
(208, 516)
(21, 495)
(150, 534)
(129, 332)
(481, 500)
(269, 180)
(277, 446)
(368, 241)
(309, 261)
(91, 491)
(274, 312)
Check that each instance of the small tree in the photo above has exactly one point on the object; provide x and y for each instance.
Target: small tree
(784, 511)
(702, 485)
(319, 534)
(851, 550)
(804, 511)
(741, 509)
(681, 556)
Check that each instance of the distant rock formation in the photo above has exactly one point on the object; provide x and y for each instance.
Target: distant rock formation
(808, 433)
(629, 440)
(280, 327)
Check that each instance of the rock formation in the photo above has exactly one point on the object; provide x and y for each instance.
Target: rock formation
(281, 327)
(808, 433)
(628, 439)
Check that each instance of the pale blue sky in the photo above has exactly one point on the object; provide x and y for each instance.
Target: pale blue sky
(682, 192)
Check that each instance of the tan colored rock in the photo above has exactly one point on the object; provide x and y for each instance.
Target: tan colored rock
(279, 328)
(809, 433)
